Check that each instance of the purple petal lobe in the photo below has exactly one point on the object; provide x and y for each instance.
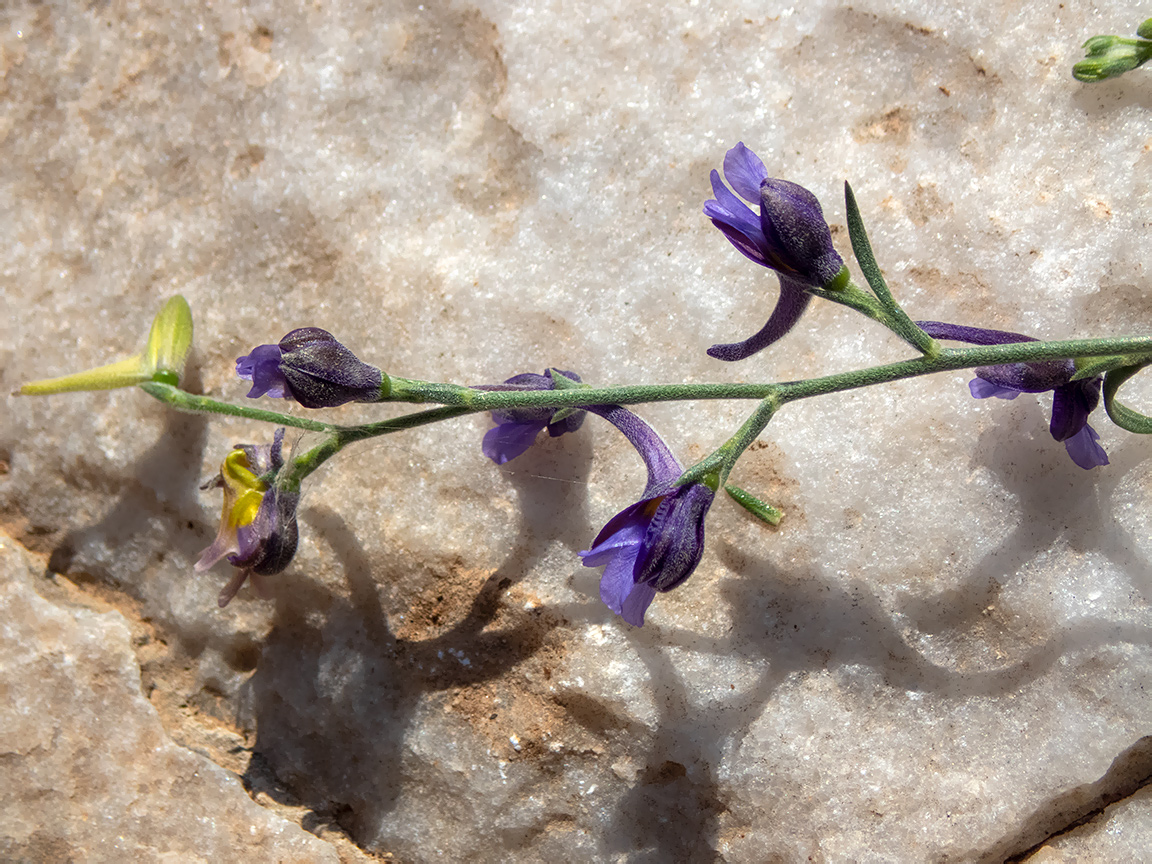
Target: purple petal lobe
(262, 368)
(745, 245)
(636, 604)
(618, 582)
(1071, 405)
(506, 441)
(740, 224)
(981, 389)
(744, 172)
(1084, 450)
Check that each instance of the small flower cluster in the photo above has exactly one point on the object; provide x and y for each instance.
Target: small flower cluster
(655, 543)
(1109, 56)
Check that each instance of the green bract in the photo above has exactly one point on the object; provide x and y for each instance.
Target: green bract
(162, 359)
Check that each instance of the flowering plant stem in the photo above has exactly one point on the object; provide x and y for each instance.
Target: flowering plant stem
(457, 400)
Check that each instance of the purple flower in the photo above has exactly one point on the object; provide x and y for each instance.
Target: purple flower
(1072, 401)
(310, 366)
(652, 545)
(789, 235)
(656, 543)
(516, 428)
(258, 532)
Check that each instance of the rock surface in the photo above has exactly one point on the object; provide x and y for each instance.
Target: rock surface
(944, 652)
(88, 772)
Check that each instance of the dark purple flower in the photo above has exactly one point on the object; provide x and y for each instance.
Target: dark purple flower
(310, 366)
(788, 235)
(1072, 401)
(258, 532)
(516, 429)
(656, 543)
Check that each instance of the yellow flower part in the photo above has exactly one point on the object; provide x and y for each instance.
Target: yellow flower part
(161, 360)
(243, 487)
(243, 495)
(258, 532)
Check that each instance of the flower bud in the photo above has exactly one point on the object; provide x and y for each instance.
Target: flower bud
(310, 366)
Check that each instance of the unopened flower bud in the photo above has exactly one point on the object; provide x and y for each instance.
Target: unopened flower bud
(310, 366)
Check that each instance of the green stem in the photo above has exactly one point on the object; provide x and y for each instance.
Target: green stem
(945, 361)
(854, 298)
(410, 390)
(465, 400)
(308, 462)
(714, 468)
(183, 401)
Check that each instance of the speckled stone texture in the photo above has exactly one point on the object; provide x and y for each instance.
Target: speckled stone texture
(944, 652)
(87, 771)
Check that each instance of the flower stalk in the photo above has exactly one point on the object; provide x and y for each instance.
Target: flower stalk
(656, 542)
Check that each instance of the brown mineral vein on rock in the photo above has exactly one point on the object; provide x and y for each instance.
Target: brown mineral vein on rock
(87, 772)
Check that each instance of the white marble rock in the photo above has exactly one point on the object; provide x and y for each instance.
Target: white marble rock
(88, 772)
(940, 654)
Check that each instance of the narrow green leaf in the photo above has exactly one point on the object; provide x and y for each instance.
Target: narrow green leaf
(1122, 415)
(862, 249)
(754, 505)
(897, 319)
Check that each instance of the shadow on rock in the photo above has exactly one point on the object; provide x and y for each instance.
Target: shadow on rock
(162, 502)
(336, 689)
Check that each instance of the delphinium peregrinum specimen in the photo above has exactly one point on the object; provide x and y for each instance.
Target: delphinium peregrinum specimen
(655, 542)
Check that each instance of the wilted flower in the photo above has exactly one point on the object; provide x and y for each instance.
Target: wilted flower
(162, 359)
(656, 543)
(516, 428)
(258, 530)
(1072, 401)
(788, 235)
(310, 366)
